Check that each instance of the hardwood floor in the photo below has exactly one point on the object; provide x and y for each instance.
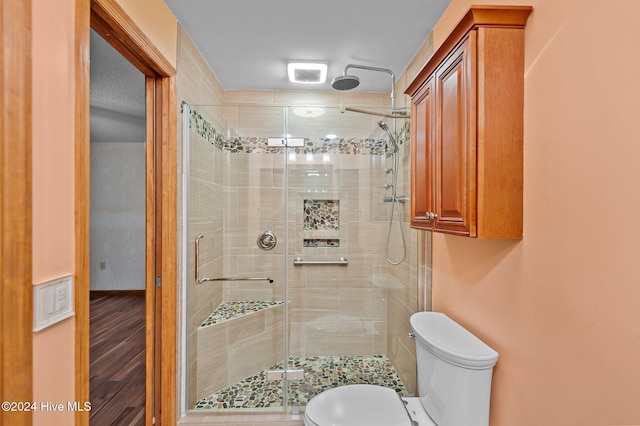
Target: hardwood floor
(117, 360)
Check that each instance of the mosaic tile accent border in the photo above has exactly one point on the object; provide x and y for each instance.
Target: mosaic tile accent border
(205, 129)
(230, 310)
(321, 373)
(258, 145)
(404, 134)
(321, 215)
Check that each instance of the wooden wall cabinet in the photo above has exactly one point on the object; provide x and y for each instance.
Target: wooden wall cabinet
(467, 128)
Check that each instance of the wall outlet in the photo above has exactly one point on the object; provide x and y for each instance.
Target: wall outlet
(52, 302)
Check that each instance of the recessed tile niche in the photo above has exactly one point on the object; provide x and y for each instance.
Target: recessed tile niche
(322, 215)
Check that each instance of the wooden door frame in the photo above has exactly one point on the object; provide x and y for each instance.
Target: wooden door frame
(109, 20)
(16, 291)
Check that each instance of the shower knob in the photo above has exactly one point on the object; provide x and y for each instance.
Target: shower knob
(388, 185)
(267, 240)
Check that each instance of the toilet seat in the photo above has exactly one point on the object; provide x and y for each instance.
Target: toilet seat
(356, 405)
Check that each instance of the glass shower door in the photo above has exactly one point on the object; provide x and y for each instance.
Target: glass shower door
(330, 316)
(338, 281)
(235, 310)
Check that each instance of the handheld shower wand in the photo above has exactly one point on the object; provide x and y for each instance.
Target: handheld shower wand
(384, 127)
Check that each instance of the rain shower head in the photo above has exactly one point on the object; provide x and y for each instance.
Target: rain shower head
(345, 82)
(348, 82)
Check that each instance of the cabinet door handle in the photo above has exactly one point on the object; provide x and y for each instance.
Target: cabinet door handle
(430, 215)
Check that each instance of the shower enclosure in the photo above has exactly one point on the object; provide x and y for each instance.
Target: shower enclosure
(287, 290)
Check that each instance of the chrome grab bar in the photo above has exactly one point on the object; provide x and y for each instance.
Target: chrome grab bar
(204, 280)
(342, 262)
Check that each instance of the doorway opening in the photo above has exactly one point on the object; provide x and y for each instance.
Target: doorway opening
(113, 24)
(117, 255)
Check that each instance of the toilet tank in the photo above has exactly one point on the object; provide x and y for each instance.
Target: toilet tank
(454, 371)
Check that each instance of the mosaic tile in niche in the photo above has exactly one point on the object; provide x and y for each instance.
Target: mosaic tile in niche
(321, 215)
(319, 242)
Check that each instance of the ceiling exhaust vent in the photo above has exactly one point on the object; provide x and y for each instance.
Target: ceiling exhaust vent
(307, 72)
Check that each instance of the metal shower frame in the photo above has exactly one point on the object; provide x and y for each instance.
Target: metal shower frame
(394, 112)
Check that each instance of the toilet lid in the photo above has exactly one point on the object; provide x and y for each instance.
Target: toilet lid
(359, 405)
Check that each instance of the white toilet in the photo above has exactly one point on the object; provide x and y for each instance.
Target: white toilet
(454, 384)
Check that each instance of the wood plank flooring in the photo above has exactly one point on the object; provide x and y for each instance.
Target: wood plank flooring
(117, 360)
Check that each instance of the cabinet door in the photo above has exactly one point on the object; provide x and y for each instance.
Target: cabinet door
(422, 167)
(455, 180)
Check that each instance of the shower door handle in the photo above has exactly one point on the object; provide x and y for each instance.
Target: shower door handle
(197, 259)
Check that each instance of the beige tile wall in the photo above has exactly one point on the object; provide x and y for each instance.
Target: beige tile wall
(196, 84)
(334, 309)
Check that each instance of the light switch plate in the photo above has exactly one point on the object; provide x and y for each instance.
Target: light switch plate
(52, 302)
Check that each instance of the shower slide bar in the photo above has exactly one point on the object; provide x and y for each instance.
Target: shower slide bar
(200, 280)
(299, 262)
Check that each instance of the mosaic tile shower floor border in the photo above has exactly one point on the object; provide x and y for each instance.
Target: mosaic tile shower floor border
(321, 373)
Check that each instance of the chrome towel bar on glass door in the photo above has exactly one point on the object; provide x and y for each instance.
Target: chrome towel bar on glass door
(204, 280)
(299, 262)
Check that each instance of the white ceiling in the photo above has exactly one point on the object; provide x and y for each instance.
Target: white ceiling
(247, 43)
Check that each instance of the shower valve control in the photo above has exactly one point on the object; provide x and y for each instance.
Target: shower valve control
(267, 240)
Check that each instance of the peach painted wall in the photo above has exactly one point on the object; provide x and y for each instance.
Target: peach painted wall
(561, 305)
(53, 177)
(53, 196)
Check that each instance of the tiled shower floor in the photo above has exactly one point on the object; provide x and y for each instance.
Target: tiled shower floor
(321, 373)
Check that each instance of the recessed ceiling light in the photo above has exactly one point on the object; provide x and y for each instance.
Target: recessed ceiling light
(307, 72)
